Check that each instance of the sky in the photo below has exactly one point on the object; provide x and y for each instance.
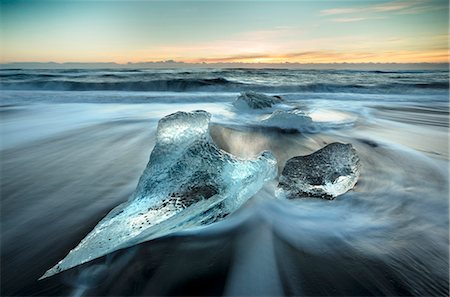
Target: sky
(408, 31)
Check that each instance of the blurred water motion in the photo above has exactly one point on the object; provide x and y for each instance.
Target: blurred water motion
(71, 158)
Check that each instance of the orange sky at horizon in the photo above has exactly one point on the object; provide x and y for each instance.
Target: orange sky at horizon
(436, 56)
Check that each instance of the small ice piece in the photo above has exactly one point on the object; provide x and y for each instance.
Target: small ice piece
(327, 173)
(291, 120)
(255, 100)
(188, 182)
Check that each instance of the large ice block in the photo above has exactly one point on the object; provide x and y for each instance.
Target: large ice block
(187, 182)
(327, 173)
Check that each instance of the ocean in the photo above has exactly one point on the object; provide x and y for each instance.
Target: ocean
(75, 142)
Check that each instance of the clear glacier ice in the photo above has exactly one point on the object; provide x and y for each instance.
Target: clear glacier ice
(254, 100)
(327, 173)
(188, 182)
(291, 119)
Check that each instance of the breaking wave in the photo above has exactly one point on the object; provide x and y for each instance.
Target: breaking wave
(319, 81)
(174, 85)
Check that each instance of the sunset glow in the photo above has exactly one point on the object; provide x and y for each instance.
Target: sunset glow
(216, 31)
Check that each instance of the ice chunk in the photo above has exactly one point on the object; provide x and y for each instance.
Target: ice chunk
(187, 182)
(291, 119)
(255, 100)
(327, 173)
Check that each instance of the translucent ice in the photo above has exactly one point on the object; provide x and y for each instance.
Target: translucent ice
(255, 100)
(187, 182)
(291, 119)
(327, 173)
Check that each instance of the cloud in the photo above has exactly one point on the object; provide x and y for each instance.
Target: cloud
(348, 20)
(401, 7)
(324, 56)
(396, 6)
(335, 11)
(235, 58)
(267, 57)
(302, 56)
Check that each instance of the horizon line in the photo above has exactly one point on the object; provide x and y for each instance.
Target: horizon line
(213, 63)
(171, 64)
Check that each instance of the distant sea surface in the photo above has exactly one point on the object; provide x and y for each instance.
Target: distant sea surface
(75, 142)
